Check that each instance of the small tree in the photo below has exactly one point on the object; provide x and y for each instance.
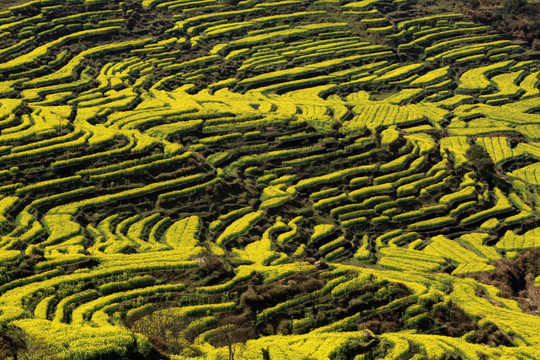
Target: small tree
(265, 353)
(165, 331)
(236, 329)
(514, 6)
(228, 338)
(12, 341)
(481, 160)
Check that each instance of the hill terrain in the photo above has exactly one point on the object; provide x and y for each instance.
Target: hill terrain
(253, 179)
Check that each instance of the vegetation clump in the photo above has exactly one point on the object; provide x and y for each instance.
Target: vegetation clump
(288, 179)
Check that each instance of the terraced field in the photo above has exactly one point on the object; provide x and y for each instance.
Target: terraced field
(264, 180)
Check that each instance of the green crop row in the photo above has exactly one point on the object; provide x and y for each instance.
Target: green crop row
(84, 310)
(466, 193)
(417, 185)
(332, 244)
(354, 222)
(239, 227)
(127, 171)
(442, 34)
(188, 191)
(430, 18)
(502, 206)
(60, 312)
(81, 138)
(432, 223)
(272, 155)
(269, 312)
(44, 186)
(510, 241)
(183, 233)
(371, 191)
(475, 79)
(285, 237)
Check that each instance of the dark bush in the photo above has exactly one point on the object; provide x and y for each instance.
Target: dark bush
(483, 163)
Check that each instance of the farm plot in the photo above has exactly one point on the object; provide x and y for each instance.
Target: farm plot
(276, 179)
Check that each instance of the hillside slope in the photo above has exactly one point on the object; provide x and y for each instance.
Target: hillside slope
(251, 180)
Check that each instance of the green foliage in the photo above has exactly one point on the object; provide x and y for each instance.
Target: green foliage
(13, 341)
(351, 166)
(481, 160)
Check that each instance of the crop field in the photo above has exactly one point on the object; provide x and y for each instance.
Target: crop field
(259, 179)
